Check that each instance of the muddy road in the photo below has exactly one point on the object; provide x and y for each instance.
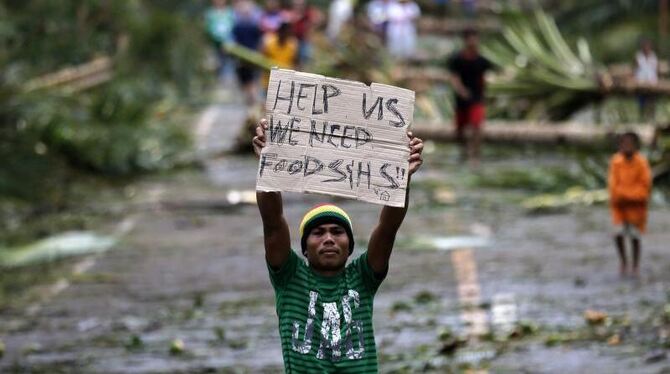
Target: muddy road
(186, 291)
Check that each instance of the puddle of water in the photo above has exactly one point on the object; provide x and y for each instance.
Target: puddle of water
(447, 243)
(56, 247)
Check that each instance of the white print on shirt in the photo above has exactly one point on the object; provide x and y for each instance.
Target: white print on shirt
(331, 334)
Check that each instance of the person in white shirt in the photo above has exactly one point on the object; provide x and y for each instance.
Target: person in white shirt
(378, 15)
(646, 72)
(401, 32)
(339, 13)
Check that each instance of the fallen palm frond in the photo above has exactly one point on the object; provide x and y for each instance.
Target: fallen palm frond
(547, 203)
(250, 56)
(54, 248)
(539, 69)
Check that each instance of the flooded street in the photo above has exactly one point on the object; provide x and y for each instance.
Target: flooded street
(186, 289)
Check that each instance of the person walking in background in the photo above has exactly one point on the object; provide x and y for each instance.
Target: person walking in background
(272, 16)
(467, 69)
(247, 33)
(646, 72)
(280, 47)
(304, 18)
(219, 21)
(339, 13)
(401, 31)
(377, 14)
(629, 183)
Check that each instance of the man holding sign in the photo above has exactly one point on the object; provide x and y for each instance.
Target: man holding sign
(325, 306)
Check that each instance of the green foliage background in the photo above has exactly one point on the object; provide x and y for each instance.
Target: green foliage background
(131, 124)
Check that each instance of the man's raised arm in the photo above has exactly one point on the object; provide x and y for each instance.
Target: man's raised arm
(390, 219)
(275, 228)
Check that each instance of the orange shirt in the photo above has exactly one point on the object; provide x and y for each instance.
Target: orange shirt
(629, 183)
(282, 55)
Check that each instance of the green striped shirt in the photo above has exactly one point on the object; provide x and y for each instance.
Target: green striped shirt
(325, 323)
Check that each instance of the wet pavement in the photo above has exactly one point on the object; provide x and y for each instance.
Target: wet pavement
(198, 275)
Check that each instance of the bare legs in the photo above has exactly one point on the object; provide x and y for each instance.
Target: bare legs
(623, 261)
(635, 271)
(470, 143)
(623, 268)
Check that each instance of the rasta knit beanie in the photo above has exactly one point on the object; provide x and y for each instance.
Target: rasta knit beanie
(322, 214)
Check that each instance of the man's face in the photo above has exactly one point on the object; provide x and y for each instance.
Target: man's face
(472, 42)
(328, 247)
(627, 146)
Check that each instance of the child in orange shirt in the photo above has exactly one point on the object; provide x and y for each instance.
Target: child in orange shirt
(629, 183)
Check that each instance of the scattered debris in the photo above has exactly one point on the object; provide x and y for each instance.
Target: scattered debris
(452, 344)
(549, 203)
(444, 196)
(614, 340)
(446, 243)
(656, 356)
(580, 282)
(594, 317)
(524, 329)
(198, 300)
(88, 324)
(220, 333)
(235, 197)
(424, 297)
(400, 306)
(177, 347)
(31, 348)
(135, 343)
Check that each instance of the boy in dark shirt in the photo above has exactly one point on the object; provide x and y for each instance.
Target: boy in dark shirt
(467, 69)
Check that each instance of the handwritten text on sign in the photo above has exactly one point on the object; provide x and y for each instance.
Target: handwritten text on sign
(336, 137)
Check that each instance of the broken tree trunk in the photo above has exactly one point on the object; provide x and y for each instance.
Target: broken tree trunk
(422, 79)
(571, 133)
(74, 78)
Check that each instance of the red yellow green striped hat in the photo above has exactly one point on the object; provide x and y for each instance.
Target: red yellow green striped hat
(322, 214)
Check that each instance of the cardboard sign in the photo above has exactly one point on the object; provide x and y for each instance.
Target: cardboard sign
(336, 137)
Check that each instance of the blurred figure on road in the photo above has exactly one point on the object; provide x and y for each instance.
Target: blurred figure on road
(272, 17)
(280, 47)
(219, 21)
(378, 16)
(401, 31)
(339, 14)
(467, 69)
(304, 19)
(629, 183)
(646, 72)
(247, 33)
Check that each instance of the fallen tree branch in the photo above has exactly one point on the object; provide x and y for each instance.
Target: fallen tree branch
(528, 132)
(74, 78)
